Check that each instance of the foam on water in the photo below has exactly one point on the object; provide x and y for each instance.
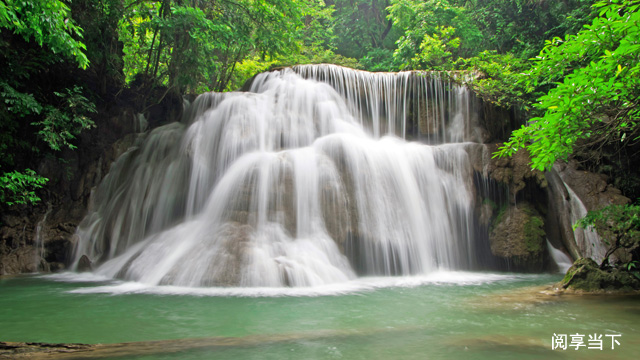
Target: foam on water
(356, 286)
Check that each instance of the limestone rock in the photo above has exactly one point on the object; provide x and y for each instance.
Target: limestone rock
(518, 237)
(593, 192)
(587, 276)
(21, 260)
(84, 264)
(591, 188)
(514, 171)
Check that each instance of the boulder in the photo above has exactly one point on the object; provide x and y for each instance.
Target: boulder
(84, 264)
(586, 275)
(517, 236)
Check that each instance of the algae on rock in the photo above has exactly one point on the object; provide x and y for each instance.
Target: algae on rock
(586, 275)
(517, 236)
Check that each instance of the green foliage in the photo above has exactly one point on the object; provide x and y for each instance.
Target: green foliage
(317, 30)
(617, 225)
(18, 187)
(46, 22)
(58, 124)
(497, 78)
(63, 122)
(252, 66)
(520, 27)
(362, 26)
(378, 60)
(17, 103)
(633, 267)
(435, 51)
(598, 97)
(99, 19)
(36, 35)
(434, 31)
(197, 48)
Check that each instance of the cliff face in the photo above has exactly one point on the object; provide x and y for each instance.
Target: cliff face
(40, 238)
(516, 203)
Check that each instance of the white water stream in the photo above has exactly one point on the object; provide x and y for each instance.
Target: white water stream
(305, 180)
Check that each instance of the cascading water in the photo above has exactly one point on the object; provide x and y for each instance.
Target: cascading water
(38, 241)
(562, 260)
(303, 181)
(587, 240)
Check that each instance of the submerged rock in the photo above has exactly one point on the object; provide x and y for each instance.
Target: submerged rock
(586, 275)
(33, 350)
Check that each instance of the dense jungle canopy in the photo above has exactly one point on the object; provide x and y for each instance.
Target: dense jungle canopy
(570, 68)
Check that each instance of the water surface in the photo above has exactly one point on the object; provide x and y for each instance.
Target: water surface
(442, 316)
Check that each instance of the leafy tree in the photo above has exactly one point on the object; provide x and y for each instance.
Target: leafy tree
(379, 60)
(436, 51)
(498, 78)
(362, 27)
(100, 19)
(46, 22)
(520, 27)
(597, 101)
(35, 36)
(431, 29)
(197, 47)
(66, 120)
(18, 187)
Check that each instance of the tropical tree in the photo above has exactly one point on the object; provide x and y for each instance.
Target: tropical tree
(596, 102)
(434, 32)
(520, 27)
(362, 27)
(35, 35)
(196, 47)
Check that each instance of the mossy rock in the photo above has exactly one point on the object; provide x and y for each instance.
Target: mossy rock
(586, 275)
(517, 235)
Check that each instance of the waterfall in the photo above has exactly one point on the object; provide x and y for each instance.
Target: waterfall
(560, 258)
(305, 180)
(38, 242)
(588, 241)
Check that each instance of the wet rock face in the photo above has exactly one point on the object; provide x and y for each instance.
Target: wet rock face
(514, 171)
(17, 253)
(592, 189)
(511, 205)
(587, 276)
(517, 236)
(67, 193)
(499, 122)
(20, 260)
(28, 246)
